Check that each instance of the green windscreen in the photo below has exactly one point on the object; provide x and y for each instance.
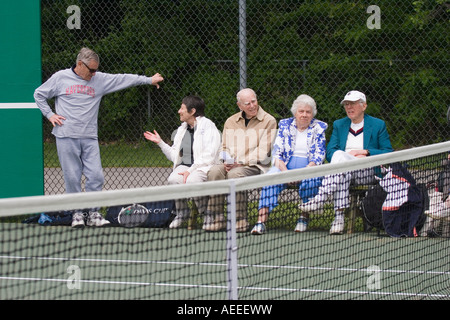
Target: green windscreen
(21, 121)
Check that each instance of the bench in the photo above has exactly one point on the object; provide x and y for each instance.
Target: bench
(357, 193)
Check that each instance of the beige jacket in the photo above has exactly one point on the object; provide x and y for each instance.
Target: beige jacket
(250, 145)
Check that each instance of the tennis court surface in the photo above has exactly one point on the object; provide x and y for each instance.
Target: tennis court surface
(40, 262)
(118, 263)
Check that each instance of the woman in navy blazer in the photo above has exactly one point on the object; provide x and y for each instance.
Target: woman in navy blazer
(355, 136)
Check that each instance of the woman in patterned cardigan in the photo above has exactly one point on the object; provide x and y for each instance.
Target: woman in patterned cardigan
(300, 142)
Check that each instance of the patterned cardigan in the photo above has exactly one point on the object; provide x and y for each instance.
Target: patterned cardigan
(284, 144)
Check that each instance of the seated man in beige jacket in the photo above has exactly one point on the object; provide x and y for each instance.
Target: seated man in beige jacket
(246, 150)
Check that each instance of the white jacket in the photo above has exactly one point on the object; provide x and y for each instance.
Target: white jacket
(206, 146)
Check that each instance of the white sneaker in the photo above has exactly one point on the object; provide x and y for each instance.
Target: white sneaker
(78, 220)
(437, 209)
(208, 220)
(176, 223)
(337, 227)
(259, 229)
(95, 219)
(302, 224)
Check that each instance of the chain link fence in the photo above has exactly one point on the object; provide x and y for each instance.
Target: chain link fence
(395, 52)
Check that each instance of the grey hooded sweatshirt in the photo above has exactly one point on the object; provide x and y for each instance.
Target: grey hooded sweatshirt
(78, 100)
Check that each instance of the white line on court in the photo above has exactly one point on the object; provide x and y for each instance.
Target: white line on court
(133, 283)
(184, 285)
(224, 264)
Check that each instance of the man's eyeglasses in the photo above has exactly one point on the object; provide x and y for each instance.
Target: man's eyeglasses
(351, 103)
(90, 70)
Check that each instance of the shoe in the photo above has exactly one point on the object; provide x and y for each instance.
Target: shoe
(242, 225)
(302, 224)
(311, 206)
(95, 219)
(78, 220)
(259, 229)
(437, 209)
(337, 227)
(177, 222)
(207, 220)
(215, 226)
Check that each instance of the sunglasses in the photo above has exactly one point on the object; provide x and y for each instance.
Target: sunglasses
(90, 70)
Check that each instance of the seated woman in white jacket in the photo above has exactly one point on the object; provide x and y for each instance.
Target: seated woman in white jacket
(195, 149)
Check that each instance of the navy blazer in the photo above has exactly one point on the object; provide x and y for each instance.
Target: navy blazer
(376, 136)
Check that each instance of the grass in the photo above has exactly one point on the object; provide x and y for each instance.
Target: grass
(117, 154)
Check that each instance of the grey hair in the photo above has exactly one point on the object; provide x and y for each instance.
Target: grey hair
(302, 100)
(85, 55)
(238, 95)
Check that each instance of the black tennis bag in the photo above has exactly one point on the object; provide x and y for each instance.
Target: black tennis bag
(56, 218)
(372, 207)
(148, 215)
(408, 219)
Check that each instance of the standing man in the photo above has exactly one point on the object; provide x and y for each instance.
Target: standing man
(355, 136)
(246, 151)
(78, 92)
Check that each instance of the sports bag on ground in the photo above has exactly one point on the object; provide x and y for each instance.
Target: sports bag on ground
(396, 204)
(148, 215)
(57, 218)
(372, 207)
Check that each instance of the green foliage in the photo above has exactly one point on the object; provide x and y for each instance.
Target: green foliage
(322, 48)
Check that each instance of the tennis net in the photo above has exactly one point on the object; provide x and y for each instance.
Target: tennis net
(400, 252)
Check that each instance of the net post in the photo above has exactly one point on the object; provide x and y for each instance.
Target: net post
(232, 272)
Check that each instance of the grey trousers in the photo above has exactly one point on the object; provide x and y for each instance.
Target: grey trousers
(79, 156)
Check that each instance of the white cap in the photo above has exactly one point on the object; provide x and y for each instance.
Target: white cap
(354, 96)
